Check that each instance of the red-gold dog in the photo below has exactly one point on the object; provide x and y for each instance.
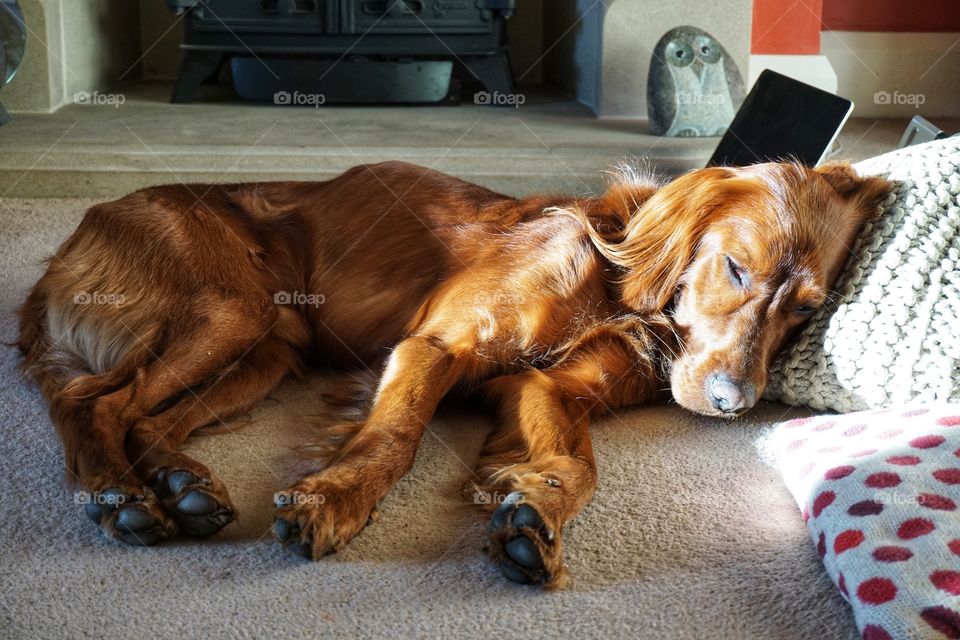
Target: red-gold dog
(179, 306)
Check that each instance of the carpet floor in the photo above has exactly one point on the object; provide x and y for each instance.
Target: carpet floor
(690, 534)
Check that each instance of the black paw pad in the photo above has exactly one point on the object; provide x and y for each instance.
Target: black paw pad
(103, 503)
(196, 511)
(524, 552)
(178, 480)
(289, 534)
(132, 521)
(521, 533)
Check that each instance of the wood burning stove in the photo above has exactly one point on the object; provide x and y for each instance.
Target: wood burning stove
(294, 44)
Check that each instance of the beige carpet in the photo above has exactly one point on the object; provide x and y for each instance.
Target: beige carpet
(689, 536)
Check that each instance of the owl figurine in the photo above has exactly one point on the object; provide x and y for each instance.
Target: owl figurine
(694, 87)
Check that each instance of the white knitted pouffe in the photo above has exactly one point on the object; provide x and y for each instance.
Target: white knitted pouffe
(892, 334)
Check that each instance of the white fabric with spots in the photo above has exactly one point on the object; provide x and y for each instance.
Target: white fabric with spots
(880, 493)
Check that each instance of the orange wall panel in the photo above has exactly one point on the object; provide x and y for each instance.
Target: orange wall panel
(786, 26)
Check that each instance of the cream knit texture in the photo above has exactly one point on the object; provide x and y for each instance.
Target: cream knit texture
(891, 334)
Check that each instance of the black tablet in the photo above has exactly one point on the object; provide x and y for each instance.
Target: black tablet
(782, 118)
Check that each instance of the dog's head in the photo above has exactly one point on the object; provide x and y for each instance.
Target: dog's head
(738, 258)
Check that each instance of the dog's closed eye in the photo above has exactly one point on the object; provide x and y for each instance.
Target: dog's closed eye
(737, 274)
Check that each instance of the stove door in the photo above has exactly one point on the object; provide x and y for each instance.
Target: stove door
(265, 16)
(415, 16)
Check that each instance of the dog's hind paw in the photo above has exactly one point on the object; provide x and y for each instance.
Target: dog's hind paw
(525, 547)
(131, 516)
(199, 504)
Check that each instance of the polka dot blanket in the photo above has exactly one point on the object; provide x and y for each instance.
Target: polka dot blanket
(880, 494)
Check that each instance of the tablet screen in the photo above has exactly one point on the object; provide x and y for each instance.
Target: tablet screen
(780, 119)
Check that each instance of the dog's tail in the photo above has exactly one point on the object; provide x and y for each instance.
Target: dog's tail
(64, 378)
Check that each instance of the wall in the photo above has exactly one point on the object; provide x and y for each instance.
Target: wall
(38, 85)
(893, 59)
(74, 46)
(572, 32)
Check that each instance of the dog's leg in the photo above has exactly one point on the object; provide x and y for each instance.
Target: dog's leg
(324, 511)
(537, 470)
(190, 492)
(224, 330)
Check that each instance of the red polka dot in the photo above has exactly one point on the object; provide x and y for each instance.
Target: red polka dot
(904, 460)
(798, 422)
(914, 528)
(796, 444)
(877, 591)
(957, 453)
(949, 421)
(825, 426)
(874, 632)
(942, 619)
(947, 476)
(842, 585)
(882, 480)
(954, 546)
(847, 540)
(892, 554)
(913, 412)
(948, 581)
(893, 433)
(866, 508)
(823, 501)
(855, 430)
(839, 472)
(829, 449)
(822, 545)
(863, 454)
(933, 501)
(805, 469)
(927, 442)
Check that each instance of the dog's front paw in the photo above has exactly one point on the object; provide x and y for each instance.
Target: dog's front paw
(315, 518)
(130, 514)
(525, 546)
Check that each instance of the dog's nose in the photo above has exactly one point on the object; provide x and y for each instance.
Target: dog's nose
(731, 396)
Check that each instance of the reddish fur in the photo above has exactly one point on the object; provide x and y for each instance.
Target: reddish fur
(562, 307)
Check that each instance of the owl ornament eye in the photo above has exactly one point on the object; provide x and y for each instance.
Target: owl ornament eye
(706, 49)
(679, 54)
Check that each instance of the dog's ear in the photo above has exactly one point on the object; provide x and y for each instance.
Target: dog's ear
(866, 193)
(662, 236)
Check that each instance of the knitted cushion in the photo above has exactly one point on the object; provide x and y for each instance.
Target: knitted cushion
(893, 334)
(880, 492)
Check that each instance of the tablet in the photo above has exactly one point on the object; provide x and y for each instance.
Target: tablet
(782, 119)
